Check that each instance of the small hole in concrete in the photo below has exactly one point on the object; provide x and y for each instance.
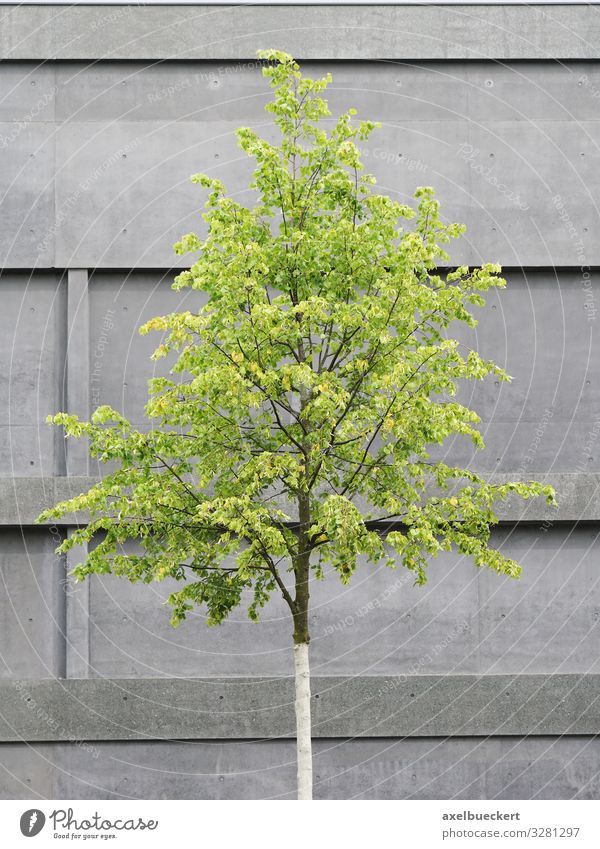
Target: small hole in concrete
(489, 83)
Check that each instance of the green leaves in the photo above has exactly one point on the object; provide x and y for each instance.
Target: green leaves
(315, 377)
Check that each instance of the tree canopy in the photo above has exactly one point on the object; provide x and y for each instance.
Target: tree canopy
(294, 432)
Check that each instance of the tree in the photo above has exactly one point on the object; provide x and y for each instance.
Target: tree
(293, 434)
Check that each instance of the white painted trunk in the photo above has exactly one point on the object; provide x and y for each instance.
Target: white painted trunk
(303, 727)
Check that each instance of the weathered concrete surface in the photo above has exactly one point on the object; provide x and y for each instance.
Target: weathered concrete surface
(250, 708)
(32, 625)
(32, 352)
(310, 32)
(98, 160)
(413, 768)
(464, 620)
(540, 329)
(22, 499)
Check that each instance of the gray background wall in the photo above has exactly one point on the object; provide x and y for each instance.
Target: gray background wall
(471, 687)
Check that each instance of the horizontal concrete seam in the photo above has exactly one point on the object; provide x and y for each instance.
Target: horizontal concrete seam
(163, 271)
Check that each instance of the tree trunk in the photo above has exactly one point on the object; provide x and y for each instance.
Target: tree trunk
(301, 662)
(301, 627)
(303, 726)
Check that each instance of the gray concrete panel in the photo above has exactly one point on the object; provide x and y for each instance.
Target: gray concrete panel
(499, 143)
(23, 499)
(529, 92)
(251, 708)
(331, 32)
(28, 218)
(540, 329)
(120, 359)
(32, 350)
(427, 768)
(462, 620)
(548, 620)
(32, 626)
(142, 201)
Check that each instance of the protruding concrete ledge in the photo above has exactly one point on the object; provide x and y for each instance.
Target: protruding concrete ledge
(199, 32)
(250, 708)
(23, 499)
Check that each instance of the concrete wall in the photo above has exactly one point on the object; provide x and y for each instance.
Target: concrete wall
(104, 114)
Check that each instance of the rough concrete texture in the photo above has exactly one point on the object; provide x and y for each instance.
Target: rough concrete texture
(251, 708)
(32, 605)
(538, 328)
(459, 768)
(22, 499)
(98, 157)
(321, 32)
(463, 621)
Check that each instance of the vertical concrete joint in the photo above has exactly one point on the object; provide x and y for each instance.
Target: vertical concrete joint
(77, 643)
(77, 397)
(78, 378)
